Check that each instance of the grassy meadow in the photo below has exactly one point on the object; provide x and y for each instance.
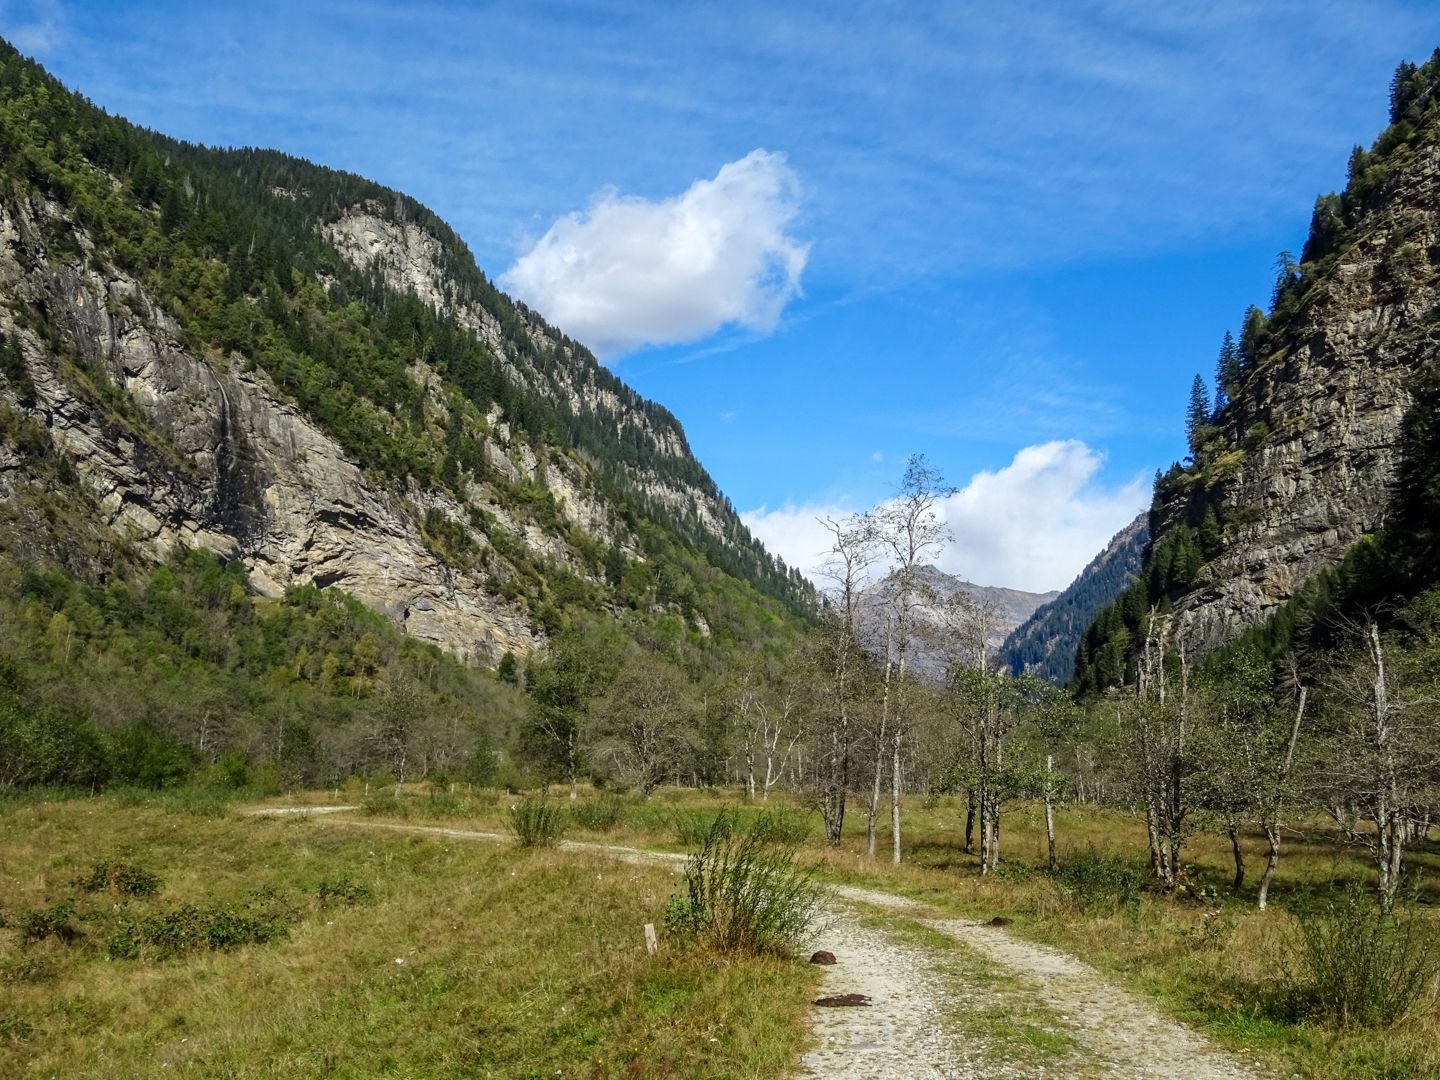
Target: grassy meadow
(280, 946)
(298, 946)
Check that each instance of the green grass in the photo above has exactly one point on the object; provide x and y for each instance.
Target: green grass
(399, 955)
(504, 936)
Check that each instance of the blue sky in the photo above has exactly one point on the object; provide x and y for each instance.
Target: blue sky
(827, 236)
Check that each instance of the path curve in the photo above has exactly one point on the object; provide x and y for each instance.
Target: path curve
(902, 1034)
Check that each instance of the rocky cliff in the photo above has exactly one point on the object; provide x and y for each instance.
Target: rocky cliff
(295, 367)
(949, 614)
(1289, 473)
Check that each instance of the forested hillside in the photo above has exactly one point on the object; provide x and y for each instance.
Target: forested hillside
(1044, 645)
(235, 363)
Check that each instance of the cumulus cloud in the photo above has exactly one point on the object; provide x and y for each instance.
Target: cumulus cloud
(628, 271)
(1032, 525)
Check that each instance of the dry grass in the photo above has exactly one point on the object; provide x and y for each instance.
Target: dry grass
(1208, 957)
(469, 959)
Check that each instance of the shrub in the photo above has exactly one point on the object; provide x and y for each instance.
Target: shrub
(343, 891)
(598, 815)
(1097, 882)
(1360, 966)
(791, 827)
(744, 893)
(255, 921)
(691, 827)
(53, 921)
(384, 804)
(536, 821)
(118, 877)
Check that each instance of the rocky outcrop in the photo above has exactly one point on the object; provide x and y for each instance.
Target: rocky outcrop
(949, 614)
(203, 452)
(1311, 437)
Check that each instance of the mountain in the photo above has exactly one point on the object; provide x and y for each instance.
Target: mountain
(290, 492)
(1297, 466)
(1044, 644)
(293, 367)
(1000, 611)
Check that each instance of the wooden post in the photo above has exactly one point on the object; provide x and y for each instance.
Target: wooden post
(651, 944)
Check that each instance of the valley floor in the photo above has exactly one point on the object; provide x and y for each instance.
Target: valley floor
(948, 998)
(371, 935)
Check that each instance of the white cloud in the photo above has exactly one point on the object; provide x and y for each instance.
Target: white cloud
(1035, 523)
(629, 272)
(1032, 525)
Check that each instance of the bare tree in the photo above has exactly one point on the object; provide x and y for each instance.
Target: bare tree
(1379, 748)
(852, 552)
(1160, 729)
(910, 528)
(645, 718)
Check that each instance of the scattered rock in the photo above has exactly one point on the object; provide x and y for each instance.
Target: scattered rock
(840, 1001)
(822, 957)
(1001, 920)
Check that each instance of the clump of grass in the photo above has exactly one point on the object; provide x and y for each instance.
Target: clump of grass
(344, 891)
(536, 821)
(119, 877)
(1097, 882)
(1359, 966)
(742, 892)
(599, 815)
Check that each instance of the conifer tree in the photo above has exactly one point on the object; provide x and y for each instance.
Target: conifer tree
(1229, 371)
(1197, 416)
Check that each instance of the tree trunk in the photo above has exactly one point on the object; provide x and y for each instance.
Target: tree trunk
(1239, 856)
(1050, 812)
(1272, 859)
(969, 821)
(895, 785)
(879, 754)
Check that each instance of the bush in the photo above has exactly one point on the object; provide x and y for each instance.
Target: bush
(790, 827)
(744, 893)
(691, 827)
(344, 891)
(255, 921)
(1098, 883)
(123, 878)
(536, 821)
(598, 815)
(1360, 966)
(53, 921)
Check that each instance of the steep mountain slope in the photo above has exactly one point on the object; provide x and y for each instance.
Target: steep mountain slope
(941, 622)
(1044, 644)
(241, 351)
(1296, 467)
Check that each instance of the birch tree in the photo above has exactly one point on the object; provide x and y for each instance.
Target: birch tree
(852, 552)
(910, 529)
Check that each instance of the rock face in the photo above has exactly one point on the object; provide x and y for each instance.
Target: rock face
(233, 468)
(1044, 644)
(1310, 438)
(180, 443)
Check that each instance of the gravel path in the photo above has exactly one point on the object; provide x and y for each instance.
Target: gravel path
(905, 1032)
(909, 1029)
